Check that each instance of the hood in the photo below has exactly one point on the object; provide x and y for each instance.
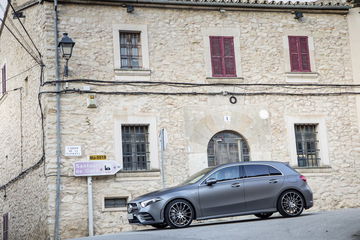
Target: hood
(160, 193)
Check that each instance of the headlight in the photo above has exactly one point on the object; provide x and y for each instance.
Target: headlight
(150, 201)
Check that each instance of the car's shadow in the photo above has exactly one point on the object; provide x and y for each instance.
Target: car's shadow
(202, 224)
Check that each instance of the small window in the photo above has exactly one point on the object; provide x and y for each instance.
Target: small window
(130, 50)
(3, 79)
(115, 202)
(274, 171)
(6, 226)
(306, 145)
(256, 170)
(222, 56)
(135, 147)
(299, 54)
(226, 174)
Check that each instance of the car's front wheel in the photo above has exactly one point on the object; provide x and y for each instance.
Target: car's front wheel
(263, 215)
(290, 203)
(179, 213)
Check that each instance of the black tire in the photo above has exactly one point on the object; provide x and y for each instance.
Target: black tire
(159, 225)
(290, 203)
(179, 213)
(264, 215)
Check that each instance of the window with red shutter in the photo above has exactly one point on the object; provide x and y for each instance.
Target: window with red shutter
(299, 54)
(222, 56)
(3, 79)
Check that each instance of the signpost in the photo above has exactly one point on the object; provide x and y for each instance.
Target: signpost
(94, 168)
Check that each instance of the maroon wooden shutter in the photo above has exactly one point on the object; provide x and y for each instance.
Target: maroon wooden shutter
(222, 56)
(229, 57)
(294, 54)
(305, 56)
(3, 79)
(299, 54)
(216, 56)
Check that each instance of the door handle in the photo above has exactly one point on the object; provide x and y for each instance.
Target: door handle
(273, 181)
(235, 185)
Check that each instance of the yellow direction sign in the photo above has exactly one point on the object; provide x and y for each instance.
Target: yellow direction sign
(97, 157)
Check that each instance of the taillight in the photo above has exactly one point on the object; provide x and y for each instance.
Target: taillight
(303, 178)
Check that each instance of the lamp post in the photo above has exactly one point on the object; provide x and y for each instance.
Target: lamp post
(66, 45)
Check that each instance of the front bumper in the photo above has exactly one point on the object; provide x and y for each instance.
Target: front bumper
(151, 214)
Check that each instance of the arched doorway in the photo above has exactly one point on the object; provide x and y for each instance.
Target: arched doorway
(227, 147)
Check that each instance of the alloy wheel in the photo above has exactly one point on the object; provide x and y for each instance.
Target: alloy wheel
(292, 204)
(179, 214)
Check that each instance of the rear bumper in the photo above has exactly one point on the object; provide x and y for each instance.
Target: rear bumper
(308, 195)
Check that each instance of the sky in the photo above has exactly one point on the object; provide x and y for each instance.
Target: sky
(2, 7)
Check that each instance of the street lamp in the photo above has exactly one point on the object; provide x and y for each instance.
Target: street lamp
(66, 45)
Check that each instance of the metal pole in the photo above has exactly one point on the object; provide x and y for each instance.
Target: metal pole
(90, 207)
(162, 147)
(58, 128)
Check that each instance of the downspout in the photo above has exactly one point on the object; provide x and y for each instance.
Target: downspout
(58, 127)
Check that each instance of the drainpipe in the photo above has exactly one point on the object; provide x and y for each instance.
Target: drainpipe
(58, 129)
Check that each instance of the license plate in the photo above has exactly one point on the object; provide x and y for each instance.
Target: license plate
(130, 216)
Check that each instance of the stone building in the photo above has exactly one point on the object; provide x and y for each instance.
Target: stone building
(221, 80)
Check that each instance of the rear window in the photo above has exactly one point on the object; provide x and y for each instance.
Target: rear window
(256, 170)
(261, 170)
(274, 171)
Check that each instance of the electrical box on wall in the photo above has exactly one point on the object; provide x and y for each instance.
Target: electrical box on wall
(91, 101)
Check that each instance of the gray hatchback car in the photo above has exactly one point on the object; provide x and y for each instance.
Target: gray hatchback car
(234, 189)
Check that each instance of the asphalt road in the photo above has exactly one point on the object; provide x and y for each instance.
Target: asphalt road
(341, 224)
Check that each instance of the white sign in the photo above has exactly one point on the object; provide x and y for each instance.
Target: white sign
(95, 168)
(72, 151)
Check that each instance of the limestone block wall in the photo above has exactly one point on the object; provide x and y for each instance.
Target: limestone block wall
(21, 137)
(176, 54)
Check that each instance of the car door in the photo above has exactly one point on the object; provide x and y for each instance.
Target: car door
(224, 197)
(262, 184)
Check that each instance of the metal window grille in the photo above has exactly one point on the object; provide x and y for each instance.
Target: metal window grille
(306, 145)
(115, 202)
(6, 226)
(130, 50)
(226, 147)
(135, 147)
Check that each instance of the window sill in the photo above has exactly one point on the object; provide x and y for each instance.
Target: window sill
(309, 170)
(224, 79)
(302, 77)
(139, 175)
(132, 74)
(122, 209)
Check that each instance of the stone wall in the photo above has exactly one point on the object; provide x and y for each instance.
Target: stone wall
(25, 199)
(176, 54)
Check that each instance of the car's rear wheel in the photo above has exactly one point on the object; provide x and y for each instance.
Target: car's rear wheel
(290, 203)
(159, 225)
(179, 213)
(263, 215)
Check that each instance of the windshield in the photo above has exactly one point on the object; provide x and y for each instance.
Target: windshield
(197, 176)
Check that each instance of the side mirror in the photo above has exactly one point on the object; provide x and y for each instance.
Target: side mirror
(210, 181)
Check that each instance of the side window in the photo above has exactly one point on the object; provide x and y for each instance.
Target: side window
(228, 173)
(274, 171)
(256, 170)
